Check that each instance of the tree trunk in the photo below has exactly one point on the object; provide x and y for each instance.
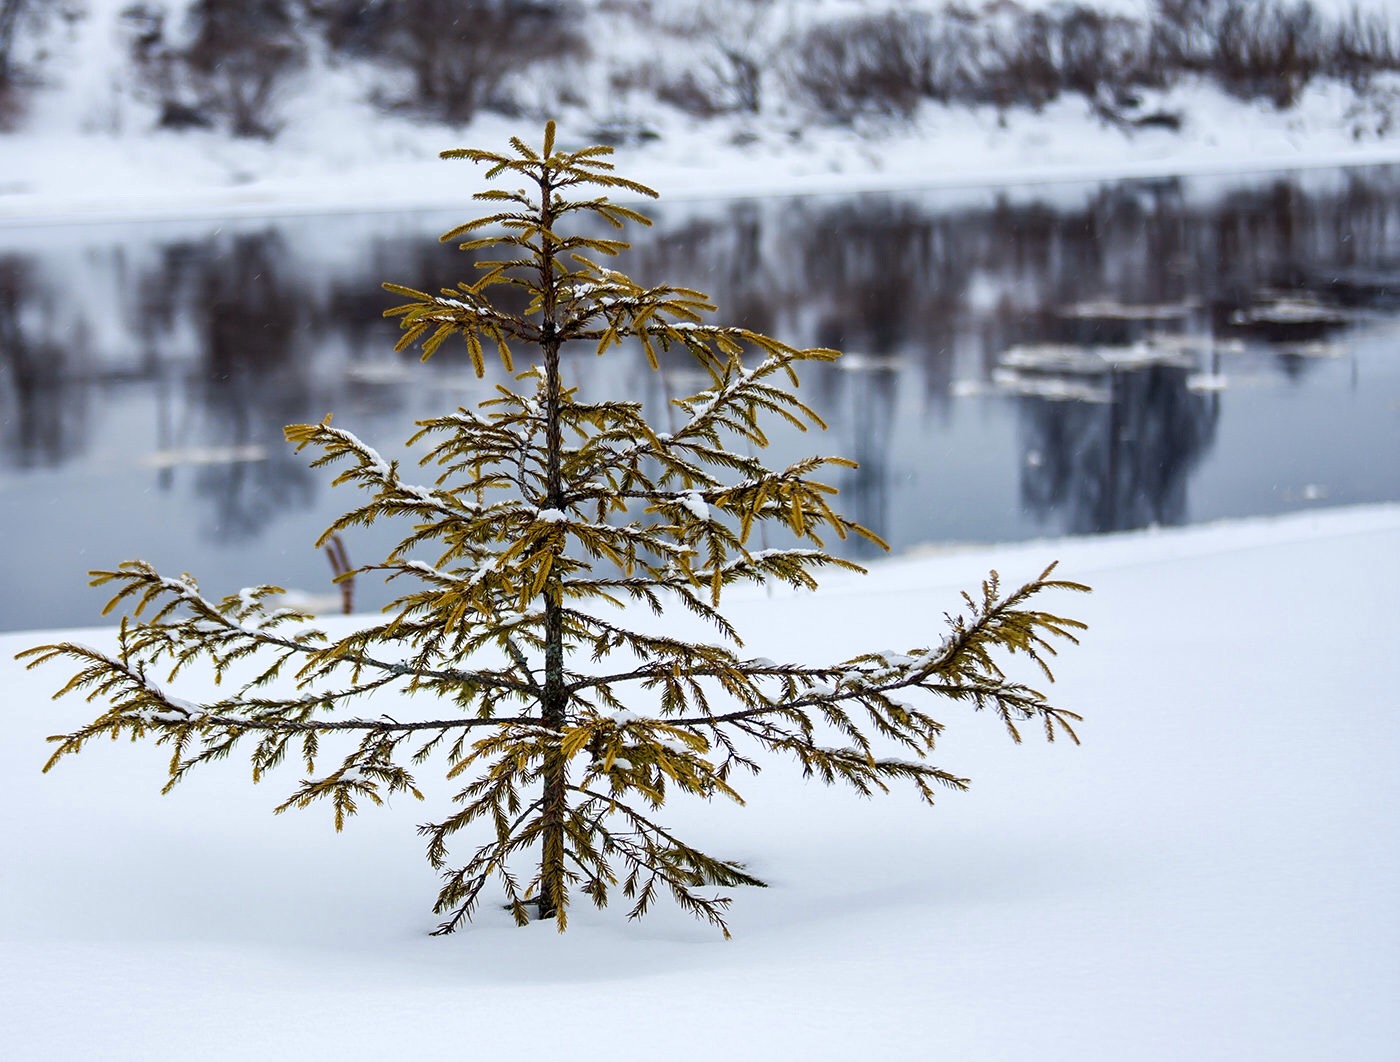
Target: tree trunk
(554, 705)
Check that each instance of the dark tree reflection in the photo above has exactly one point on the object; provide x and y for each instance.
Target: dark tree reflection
(252, 381)
(247, 374)
(1123, 464)
(867, 495)
(43, 389)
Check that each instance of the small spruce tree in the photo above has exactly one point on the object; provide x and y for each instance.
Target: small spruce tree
(570, 721)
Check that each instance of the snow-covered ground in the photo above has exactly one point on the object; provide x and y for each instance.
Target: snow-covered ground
(87, 148)
(348, 162)
(1213, 874)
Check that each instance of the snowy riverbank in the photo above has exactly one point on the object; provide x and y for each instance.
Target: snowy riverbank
(1212, 875)
(343, 162)
(86, 140)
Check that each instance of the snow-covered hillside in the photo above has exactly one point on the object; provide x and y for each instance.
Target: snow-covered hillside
(87, 141)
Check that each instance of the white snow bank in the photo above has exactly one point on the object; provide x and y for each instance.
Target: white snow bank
(1213, 875)
(87, 148)
(349, 159)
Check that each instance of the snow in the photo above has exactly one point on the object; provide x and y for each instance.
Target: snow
(335, 153)
(371, 456)
(424, 568)
(694, 503)
(1213, 874)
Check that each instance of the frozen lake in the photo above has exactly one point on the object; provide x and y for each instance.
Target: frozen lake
(1027, 362)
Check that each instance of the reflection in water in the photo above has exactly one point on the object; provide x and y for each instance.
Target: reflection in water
(1019, 363)
(250, 382)
(1120, 464)
(946, 292)
(43, 403)
(219, 327)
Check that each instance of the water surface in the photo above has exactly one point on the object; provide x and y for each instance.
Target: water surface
(1026, 362)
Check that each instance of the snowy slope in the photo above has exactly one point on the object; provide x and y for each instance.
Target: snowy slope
(1213, 875)
(89, 148)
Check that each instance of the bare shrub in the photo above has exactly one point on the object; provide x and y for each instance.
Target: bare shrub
(241, 73)
(693, 94)
(1030, 58)
(865, 64)
(350, 27)
(732, 42)
(1005, 56)
(18, 19)
(1363, 44)
(1098, 52)
(1181, 37)
(1268, 49)
(740, 44)
(1021, 65)
(234, 60)
(952, 68)
(11, 14)
(458, 53)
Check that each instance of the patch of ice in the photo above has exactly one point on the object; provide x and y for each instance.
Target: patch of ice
(1206, 381)
(207, 455)
(1312, 350)
(1289, 311)
(1112, 310)
(1053, 388)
